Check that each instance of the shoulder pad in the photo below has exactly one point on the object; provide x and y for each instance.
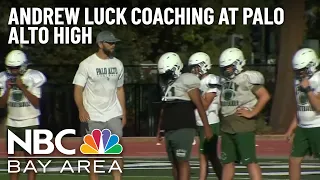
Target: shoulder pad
(38, 78)
(190, 80)
(316, 78)
(213, 79)
(222, 80)
(189, 75)
(3, 76)
(254, 77)
(3, 79)
(317, 75)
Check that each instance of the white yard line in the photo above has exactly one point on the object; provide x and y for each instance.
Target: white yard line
(162, 177)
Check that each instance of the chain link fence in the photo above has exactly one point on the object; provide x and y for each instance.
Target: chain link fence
(141, 84)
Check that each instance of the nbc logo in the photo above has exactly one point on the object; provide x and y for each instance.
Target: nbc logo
(101, 142)
(98, 142)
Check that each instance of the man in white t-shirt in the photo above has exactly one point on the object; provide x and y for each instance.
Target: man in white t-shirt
(99, 92)
(20, 91)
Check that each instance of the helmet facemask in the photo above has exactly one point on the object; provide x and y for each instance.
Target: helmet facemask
(169, 76)
(16, 70)
(228, 71)
(199, 69)
(233, 69)
(195, 69)
(307, 71)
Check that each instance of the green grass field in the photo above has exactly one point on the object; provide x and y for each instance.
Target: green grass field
(159, 169)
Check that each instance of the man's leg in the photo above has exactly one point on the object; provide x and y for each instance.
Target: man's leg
(202, 157)
(18, 151)
(211, 150)
(313, 135)
(203, 166)
(246, 145)
(228, 155)
(182, 145)
(300, 148)
(15, 176)
(3, 127)
(171, 156)
(115, 126)
(208, 151)
(31, 174)
(89, 127)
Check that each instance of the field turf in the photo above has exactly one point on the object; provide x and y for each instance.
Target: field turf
(144, 160)
(159, 169)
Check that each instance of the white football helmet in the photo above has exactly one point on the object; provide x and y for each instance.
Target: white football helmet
(232, 57)
(202, 60)
(305, 62)
(16, 59)
(170, 63)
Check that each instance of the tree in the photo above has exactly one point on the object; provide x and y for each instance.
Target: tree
(313, 22)
(139, 43)
(291, 37)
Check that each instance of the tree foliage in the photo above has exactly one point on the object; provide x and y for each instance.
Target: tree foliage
(313, 21)
(139, 43)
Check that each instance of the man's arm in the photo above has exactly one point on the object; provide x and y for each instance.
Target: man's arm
(5, 86)
(34, 100)
(290, 132)
(121, 95)
(263, 98)
(207, 99)
(78, 96)
(254, 82)
(192, 85)
(293, 125)
(160, 120)
(4, 98)
(159, 135)
(314, 100)
(79, 81)
(32, 93)
(196, 99)
(122, 100)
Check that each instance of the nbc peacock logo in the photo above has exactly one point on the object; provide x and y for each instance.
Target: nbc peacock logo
(101, 142)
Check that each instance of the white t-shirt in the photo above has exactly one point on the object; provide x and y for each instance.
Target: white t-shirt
(307, 117)
(21, 113)
(209, 84)
(100, 79)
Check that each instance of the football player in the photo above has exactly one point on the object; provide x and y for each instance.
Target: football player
(306, 122)
(180, 96)
(200, 64)
(21, 93)
(243, 96)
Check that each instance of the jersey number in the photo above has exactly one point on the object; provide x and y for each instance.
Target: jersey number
(171, 92)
